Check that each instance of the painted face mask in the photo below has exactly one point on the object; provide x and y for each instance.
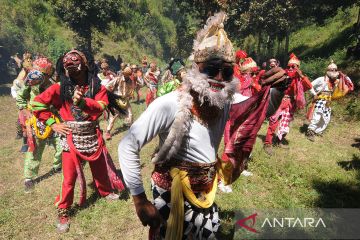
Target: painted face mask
(34, 77)
(291, 71)
(333, 75)
(216, 93)
(73, 63)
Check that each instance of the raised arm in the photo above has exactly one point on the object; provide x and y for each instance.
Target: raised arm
(97, 105)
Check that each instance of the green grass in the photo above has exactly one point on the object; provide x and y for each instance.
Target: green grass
(317, 44)
(321, 174)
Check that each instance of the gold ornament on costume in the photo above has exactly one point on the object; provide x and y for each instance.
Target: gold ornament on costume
(212, 41)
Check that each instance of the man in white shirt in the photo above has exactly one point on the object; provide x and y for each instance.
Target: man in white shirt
(190, 123)
(325, 89)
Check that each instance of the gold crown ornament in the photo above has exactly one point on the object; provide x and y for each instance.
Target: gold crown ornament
(212, 41)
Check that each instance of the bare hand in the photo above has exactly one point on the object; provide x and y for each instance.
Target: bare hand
(78, 94)
(26, 113)
(273, 76)
(61, 128)
(147, 212)
(299, 72)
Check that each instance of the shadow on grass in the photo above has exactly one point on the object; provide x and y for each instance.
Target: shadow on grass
(123, 195)
(335, 194)
(45, 176)
(262, 137)
(141, 101)
(227, 227)
(356, 144)
(354, 164)
(89, 202)
(120, 130)
(303, 128)
(4, 90)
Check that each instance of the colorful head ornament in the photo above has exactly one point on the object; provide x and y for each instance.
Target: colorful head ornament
(34, 77)
(240, 54)
(44, 65)
(212, 41)
(294, 60)
(248, 64)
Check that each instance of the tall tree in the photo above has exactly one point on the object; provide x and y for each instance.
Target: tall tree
(85, 16)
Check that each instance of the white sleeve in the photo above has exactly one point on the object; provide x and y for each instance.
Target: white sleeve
(13, 92)
(157, 118)
(318, 85)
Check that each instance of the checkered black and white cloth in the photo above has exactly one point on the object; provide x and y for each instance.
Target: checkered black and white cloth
(198, 223)
(287, 115)
(321, 116)
(320, 106)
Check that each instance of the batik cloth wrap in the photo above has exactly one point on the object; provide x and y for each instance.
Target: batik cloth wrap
(245, 120)
(85, 142)
(321, 114)
(184, 194)
(284, 114)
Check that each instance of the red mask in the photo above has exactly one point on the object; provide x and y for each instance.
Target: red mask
(73, 63)
(291, 72)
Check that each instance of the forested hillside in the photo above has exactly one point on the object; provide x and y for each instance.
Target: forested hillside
(162, 29)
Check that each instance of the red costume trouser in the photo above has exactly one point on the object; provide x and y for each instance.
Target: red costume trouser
(271, 131)
(98, 170)
(150, 97)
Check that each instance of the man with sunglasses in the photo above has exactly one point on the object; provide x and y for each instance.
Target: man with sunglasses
(36, 82)
(279, 122)
(190, 123)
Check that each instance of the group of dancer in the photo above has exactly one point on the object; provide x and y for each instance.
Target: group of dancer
(222, 93)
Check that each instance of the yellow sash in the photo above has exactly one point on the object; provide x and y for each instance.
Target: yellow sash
(48, 130)
(181, 186)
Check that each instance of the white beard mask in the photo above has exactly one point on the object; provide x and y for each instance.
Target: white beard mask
(332, 75)
(199, 82)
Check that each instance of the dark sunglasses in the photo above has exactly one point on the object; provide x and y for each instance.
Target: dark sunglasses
(226, 72)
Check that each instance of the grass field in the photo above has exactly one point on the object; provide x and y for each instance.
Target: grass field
(322, 174)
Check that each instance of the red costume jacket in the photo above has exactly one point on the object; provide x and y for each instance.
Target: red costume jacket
(92, 107)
